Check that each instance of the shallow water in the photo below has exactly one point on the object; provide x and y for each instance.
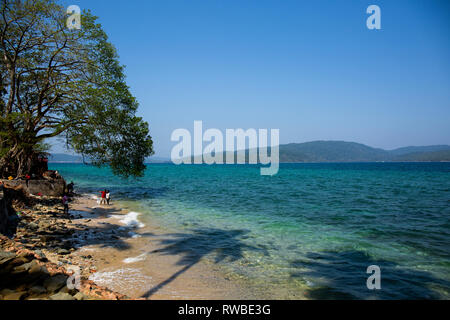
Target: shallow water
(312, 229)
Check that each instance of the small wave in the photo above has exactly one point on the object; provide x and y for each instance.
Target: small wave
(136, 259)
(121, 279)
(130, 219)
(82, 247)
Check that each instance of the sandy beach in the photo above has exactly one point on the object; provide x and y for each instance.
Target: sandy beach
(118, 257)
(130, 258)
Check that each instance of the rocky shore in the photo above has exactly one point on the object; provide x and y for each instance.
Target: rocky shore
(113, 254)
(37, 260)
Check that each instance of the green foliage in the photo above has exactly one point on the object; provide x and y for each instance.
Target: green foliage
(60, 82)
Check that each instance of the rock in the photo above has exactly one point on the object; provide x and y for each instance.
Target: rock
(4, 292)
(46, 238)
(65, 289)
(61, 296)
(38, 290)
(63, 251)
(54, 187)
(81, 296)
(33, 226)
(20, 260)
(40, 254)
(36, 271)
(55, 283)
(5, 257)
(14, 296)
(23, 268)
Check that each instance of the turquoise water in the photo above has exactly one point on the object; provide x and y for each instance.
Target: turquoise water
(311, 230)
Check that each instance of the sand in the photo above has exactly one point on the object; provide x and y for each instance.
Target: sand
(128, 259)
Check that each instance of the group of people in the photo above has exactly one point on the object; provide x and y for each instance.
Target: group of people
(106, 197)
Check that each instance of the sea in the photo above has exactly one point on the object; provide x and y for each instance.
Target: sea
(314, 230)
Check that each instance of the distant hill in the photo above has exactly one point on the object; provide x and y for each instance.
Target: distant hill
(411, 150)
(442, 155)
(62, 157)
(330, 151)
(327, 151)
(342, 151)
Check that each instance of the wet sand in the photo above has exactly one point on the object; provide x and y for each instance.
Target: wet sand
(132, 259)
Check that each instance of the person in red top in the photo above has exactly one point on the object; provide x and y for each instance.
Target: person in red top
(103, 199)
(27, 178)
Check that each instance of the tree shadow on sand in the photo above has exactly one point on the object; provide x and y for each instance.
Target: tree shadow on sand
(342, 275)
(223, 245)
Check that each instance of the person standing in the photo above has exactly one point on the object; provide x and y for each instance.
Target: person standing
(103, 199)
(27, 179)
(65, 202)
(108, 196)
(70, 187)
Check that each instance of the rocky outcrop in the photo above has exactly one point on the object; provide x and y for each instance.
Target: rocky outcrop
(8, 198)
(26, 275)
(51, 188)
(4, 213)
(36, 263)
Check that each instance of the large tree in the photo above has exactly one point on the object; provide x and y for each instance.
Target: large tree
(57, 82)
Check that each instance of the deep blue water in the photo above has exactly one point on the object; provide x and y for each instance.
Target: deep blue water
(313, 228)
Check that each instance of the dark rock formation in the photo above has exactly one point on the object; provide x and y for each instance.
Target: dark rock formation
(51, 188)
(5, 208)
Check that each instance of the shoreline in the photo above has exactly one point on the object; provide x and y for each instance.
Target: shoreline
(131, 258)
(37, 261)
(119, 257)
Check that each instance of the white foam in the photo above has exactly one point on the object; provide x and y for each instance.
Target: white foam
(121, 279)
(82, 247)
(130, 219)
(136, 259)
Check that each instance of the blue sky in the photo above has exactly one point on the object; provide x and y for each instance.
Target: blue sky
(309, 68)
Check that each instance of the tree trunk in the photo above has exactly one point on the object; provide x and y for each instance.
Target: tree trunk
(17, 162)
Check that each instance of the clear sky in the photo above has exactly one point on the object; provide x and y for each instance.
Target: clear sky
(309, 68)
